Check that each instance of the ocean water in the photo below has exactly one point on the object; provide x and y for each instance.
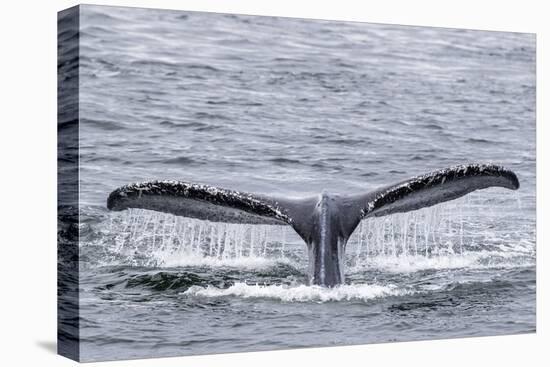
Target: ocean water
(292, 107)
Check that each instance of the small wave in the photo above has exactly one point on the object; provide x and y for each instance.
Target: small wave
(191, 124)
(205, 67)
(283, 160)
(301, 293)
(245, 263)
(153, 63)
(163, 281)
(419, 157)
(480, 141)
(410, 264)
(181, 161)
(211, 102)
(103, 124)
(432, 126)
(210, 116)
(470, 260)
(346, 141)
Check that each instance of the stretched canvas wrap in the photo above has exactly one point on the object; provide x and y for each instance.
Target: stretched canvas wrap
(233, 183)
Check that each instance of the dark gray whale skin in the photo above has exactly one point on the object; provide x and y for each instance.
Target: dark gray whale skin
(324, 222)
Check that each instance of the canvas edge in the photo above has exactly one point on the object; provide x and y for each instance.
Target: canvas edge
(68, 34)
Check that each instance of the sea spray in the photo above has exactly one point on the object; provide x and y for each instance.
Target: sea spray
(146, 238)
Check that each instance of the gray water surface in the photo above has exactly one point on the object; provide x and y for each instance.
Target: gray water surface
(292, 107)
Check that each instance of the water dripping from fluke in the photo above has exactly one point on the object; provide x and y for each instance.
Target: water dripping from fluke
(450, 235)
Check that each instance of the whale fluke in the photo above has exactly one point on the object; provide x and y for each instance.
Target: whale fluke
(324, 222)
(435, 187)
(205, 202)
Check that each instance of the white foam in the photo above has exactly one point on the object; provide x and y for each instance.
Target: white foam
(247, 263)
(470, 260)
(408, 264)
(301, 293)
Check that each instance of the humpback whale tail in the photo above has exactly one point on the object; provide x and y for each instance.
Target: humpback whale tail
(324, 222)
